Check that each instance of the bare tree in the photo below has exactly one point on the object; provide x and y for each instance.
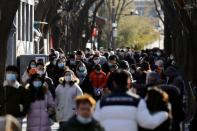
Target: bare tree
(8, 11)
(81, 21)
(121, 7)
(75, 14)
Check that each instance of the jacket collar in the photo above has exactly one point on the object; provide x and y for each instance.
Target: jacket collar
(15, 84)
(74, 121)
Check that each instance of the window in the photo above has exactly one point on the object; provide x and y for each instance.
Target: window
(19, 23)
(27, 23)
(23, 21)
(31, 23)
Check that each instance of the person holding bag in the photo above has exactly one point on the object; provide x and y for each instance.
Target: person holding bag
(42, 105)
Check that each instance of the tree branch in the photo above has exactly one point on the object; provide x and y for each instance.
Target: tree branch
(156, 8)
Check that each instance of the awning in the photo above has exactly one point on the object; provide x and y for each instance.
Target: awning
(101, 20)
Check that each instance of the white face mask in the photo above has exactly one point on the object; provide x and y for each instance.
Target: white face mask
(84, 120)
(96, 61)
(41, 73)
(167, 79)
(54, 62)
(132, 71)
(158, 53)
(171, 57)
(68, 78)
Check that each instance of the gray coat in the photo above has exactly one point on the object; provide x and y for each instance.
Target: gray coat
(65, 101)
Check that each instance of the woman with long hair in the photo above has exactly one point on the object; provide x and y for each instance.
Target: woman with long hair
(27, 74)
(41, 107)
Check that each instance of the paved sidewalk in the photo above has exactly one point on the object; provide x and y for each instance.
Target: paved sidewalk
(55, 127)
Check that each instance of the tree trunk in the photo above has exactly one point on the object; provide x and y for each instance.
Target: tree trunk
(8, 11)
(180, 36)
(46, 11)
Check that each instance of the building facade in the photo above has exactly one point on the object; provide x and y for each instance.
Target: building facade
(147, 8)
(21, 38)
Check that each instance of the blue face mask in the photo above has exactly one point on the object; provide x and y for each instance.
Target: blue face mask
(110, 64)
(81, 74)
(37, 84)
(61, 65)
(82, 69)
(72, 62)
(33, 66)
(11, 77)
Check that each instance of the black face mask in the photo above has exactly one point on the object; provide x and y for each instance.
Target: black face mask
(98, 71)
(87, 55)
(98, 68)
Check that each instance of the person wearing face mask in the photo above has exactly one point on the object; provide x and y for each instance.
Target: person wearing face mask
(72, 62)
(87, 53)
(111, 61)
(80, 56)
(95, 60)
(83, 120)
(160, 67)
(106, 90)
(66, 92)
(82, 74)
(59, 70)
(13, 97)
(97, 79)
(61, 53)
(49, 81)
(42, 105)
(26, 75)
(50, 67)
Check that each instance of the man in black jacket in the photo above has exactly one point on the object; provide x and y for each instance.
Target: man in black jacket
(13, 97)
(83, 121)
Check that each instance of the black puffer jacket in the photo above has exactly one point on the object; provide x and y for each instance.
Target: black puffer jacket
(178, 112)
(175, 79)
(14, 100)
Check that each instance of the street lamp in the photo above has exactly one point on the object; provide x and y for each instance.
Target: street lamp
(114, 25)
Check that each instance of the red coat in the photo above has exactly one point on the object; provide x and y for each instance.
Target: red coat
(98, 80)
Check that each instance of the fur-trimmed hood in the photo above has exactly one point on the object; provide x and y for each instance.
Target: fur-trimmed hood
(16, 84)
(62, 80)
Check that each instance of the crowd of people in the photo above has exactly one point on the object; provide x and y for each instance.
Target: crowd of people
(134, 90)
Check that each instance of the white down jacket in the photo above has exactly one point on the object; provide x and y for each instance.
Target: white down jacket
(124, 111)
(65, 101)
